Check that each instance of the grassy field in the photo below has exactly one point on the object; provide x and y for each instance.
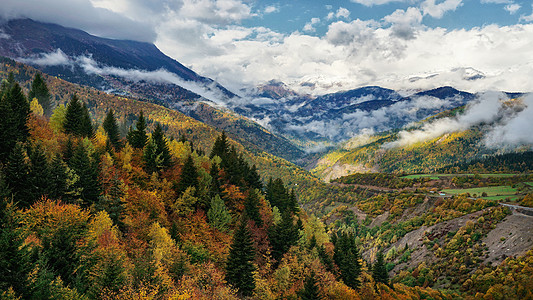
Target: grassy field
(438, 176)
(491, 191)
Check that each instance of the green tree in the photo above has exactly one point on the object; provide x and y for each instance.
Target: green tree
(214, 186)
(189, 176)
(88, 171)
(346, 256)
(14, 255)
(40, 91)
(240, 267)
(251, 207)
(77, 119)
(8, 136)
(137, 137)
(21, 110)
(58, 178)
(379, 270)
(220, 147)
(39, 173)
(111, 128)
(17, 179)
(282, 236)
(156, 153)
(218, 214)
(310, 290)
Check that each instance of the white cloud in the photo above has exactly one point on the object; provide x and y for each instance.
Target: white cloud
(309, 27)
(496, 1)
(56, 58)
(429, 7)
(515, 129)
(404, 23)
(512, 8)
(271, 9)
(485, 109)
(375, 2)
(342, 13)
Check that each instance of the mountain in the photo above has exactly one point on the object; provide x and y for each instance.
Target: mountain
(332, 118)
(134, 69)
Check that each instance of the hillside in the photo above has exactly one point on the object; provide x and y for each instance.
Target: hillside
(176, 124)
(135, 70)
(457, 140)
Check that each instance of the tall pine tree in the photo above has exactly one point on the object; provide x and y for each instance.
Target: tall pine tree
(379, 270)
(40, 91)
(240, 267)
(156, 153)
(310, 290)
(137, 137)
(88, 171)
(346, 256)
(189, 176)
(77, 119)
(282, 236)
(251, 207)
(17, 178)
(111, 128)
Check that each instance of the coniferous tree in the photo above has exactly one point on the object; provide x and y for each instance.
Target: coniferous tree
(310, 290)
(240, 267)
(8, 136)
(251, 208)
(14, 255)
(220, 147)
(17, 179)
(189, 176)
(137, 137)
(39, 175)
(112, 201)
(111, 128)
(87, 129)
(73, 117)
(20, 108)
(87, 171)
(156, 153)
(346, 256)
(214, 187)
(379, 270)
(283, 236)
(58, 178)
(40, 91)
(218, 214)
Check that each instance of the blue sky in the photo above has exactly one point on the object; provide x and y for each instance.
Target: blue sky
(318, 46)
(291, 16)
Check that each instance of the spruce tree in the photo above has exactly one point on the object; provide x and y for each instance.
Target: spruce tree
(111, 128)
(39, 172)
(251, 207)
(137, 137)
(189, 176)
(379, 270)
(310, 290)
(157, 154)
(20, 108)
(87, 171)
(218, 214)
(14, 255)
(112, 202)
(87, 129)
(346, 256)
(40, 91)
(220, 147)
(8, 136)
(58, 178)
(17, 177)
(240, 267)
(282, 236)
(73, 116)
(215, 186)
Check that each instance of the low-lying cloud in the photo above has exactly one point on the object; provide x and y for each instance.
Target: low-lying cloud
(505, 123)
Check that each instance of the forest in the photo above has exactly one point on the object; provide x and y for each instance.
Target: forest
(94, 206)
